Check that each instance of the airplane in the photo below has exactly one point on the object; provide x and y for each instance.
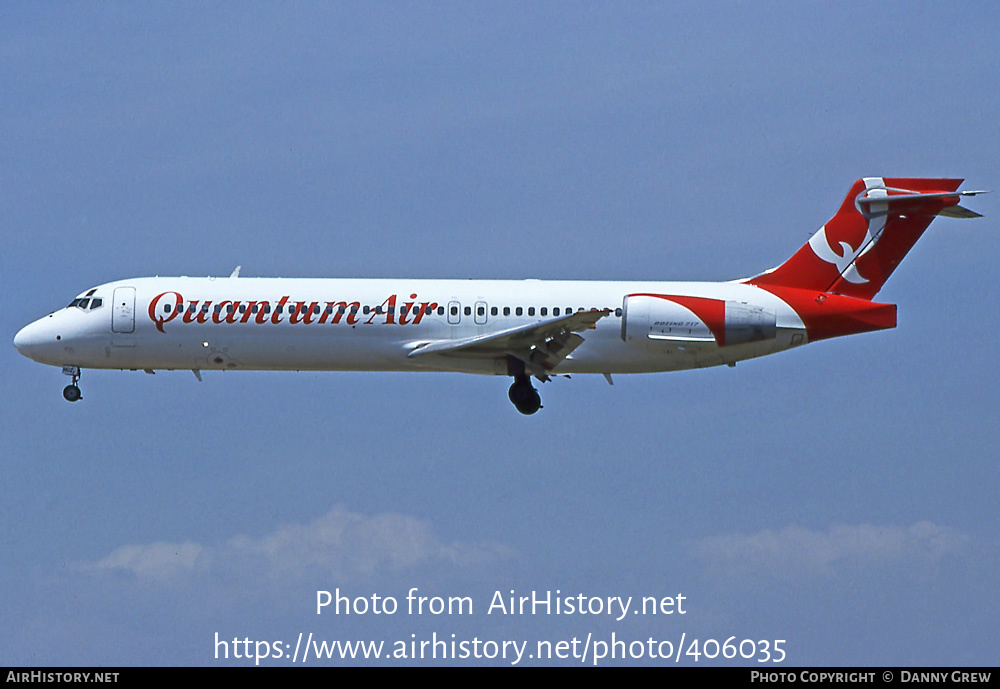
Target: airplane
(523, 329)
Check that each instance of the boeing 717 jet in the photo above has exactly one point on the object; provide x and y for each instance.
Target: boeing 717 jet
(523, 329)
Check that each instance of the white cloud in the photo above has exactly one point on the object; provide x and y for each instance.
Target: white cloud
(795, 550)
(153, 561)
(339, 544)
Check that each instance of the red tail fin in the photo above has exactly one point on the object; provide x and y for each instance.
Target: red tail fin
(879, 221)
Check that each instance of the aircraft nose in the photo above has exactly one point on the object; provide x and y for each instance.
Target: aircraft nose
(23, 339)
(32, 339)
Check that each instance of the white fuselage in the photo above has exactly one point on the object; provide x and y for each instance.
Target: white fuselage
(375, 325)
(520, 328)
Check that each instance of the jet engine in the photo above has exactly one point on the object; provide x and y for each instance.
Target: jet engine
(655, 320)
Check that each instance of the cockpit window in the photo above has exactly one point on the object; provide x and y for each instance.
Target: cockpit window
(86, 303)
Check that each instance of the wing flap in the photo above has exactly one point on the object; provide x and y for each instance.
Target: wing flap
(542, 345)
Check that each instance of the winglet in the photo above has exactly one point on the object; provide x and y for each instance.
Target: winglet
(236, 272)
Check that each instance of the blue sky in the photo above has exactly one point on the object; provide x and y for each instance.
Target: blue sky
(841, 496)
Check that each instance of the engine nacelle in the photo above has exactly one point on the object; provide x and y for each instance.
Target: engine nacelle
(652, 320)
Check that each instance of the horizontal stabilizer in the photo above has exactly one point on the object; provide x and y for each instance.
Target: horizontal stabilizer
(882, 201)
(958, 212)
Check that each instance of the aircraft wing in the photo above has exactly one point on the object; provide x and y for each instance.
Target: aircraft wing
(541, 346)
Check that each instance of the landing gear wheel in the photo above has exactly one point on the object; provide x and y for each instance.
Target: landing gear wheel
(71, 393)
(524, 397)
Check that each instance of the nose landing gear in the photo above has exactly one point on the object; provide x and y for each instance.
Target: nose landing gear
(71, 393)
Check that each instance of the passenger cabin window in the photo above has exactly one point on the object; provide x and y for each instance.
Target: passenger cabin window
(468, 310)
(519, 311)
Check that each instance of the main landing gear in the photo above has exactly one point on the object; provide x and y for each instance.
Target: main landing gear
(522, 394)
(71, 393)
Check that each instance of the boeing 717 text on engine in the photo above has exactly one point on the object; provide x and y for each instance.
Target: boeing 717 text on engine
(517, 328)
